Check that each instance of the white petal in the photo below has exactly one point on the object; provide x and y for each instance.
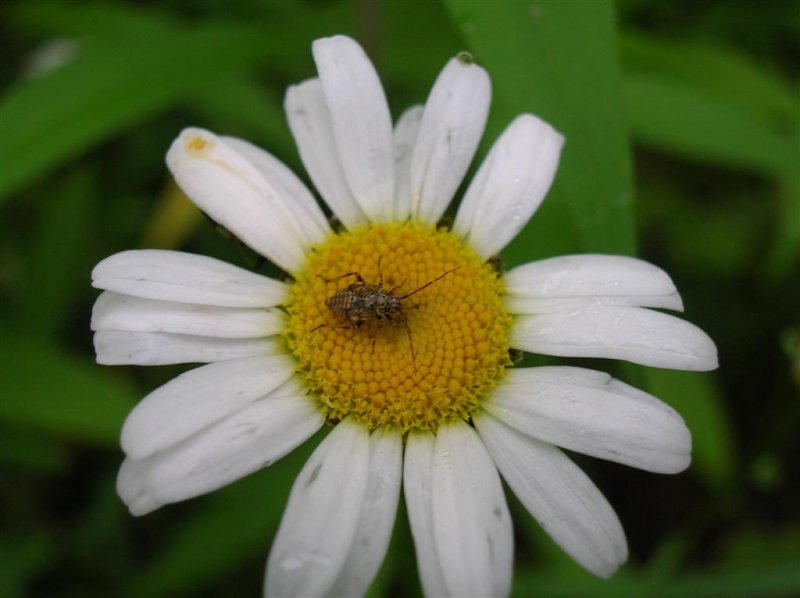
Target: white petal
(405, 137)
(122, 312)
(601, 417)
(518, 305)
(452, 125)
(559, 495)
(233, 192)
(321, 519)
(198, 398)
(510, 185)
(631, 333)
(248, 440)
(186, 278)
(299, 200)
(310, 123)
(574, 280)
(470, 516)
(362, 125)
(119, 347)
(377, 517)
(418, 488)
(133, 489)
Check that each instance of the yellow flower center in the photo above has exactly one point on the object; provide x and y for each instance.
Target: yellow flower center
(371, 347)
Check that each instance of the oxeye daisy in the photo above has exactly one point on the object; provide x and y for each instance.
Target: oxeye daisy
(394, 332)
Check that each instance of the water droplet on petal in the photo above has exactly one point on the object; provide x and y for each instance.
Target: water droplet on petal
(291, 563)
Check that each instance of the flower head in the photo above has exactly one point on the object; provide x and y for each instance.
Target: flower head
(395, 332)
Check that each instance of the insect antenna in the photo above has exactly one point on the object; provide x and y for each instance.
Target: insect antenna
(427, 284)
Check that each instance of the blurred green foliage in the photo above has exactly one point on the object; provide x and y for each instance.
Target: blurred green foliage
(683, 146)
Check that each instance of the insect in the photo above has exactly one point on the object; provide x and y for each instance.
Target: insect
(361, 302)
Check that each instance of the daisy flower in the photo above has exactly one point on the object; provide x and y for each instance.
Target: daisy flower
(414, 381)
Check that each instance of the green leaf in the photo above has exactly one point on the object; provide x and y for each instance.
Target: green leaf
(671, 115)
(757, 563)
(712, 70)
(23, 557)
(89, 19)
(21, 451)
(559, 60)
(695, 396)
(59, 262)
(242, 105)
(770, 579)
(103, 90)
(46, 390)
(117, 81)
(785, 248)
(233, 527)
(775, 579)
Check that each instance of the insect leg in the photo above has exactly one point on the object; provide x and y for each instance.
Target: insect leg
(353, 326)
(399, 286)
(411, 344)
(356, 274)
(374, 336)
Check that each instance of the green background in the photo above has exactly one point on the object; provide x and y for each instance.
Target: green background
(683, 147)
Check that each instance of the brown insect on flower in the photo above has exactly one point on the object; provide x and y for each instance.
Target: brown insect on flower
(361, 302)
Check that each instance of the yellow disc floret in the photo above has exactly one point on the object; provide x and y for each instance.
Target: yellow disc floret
(428, 359)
